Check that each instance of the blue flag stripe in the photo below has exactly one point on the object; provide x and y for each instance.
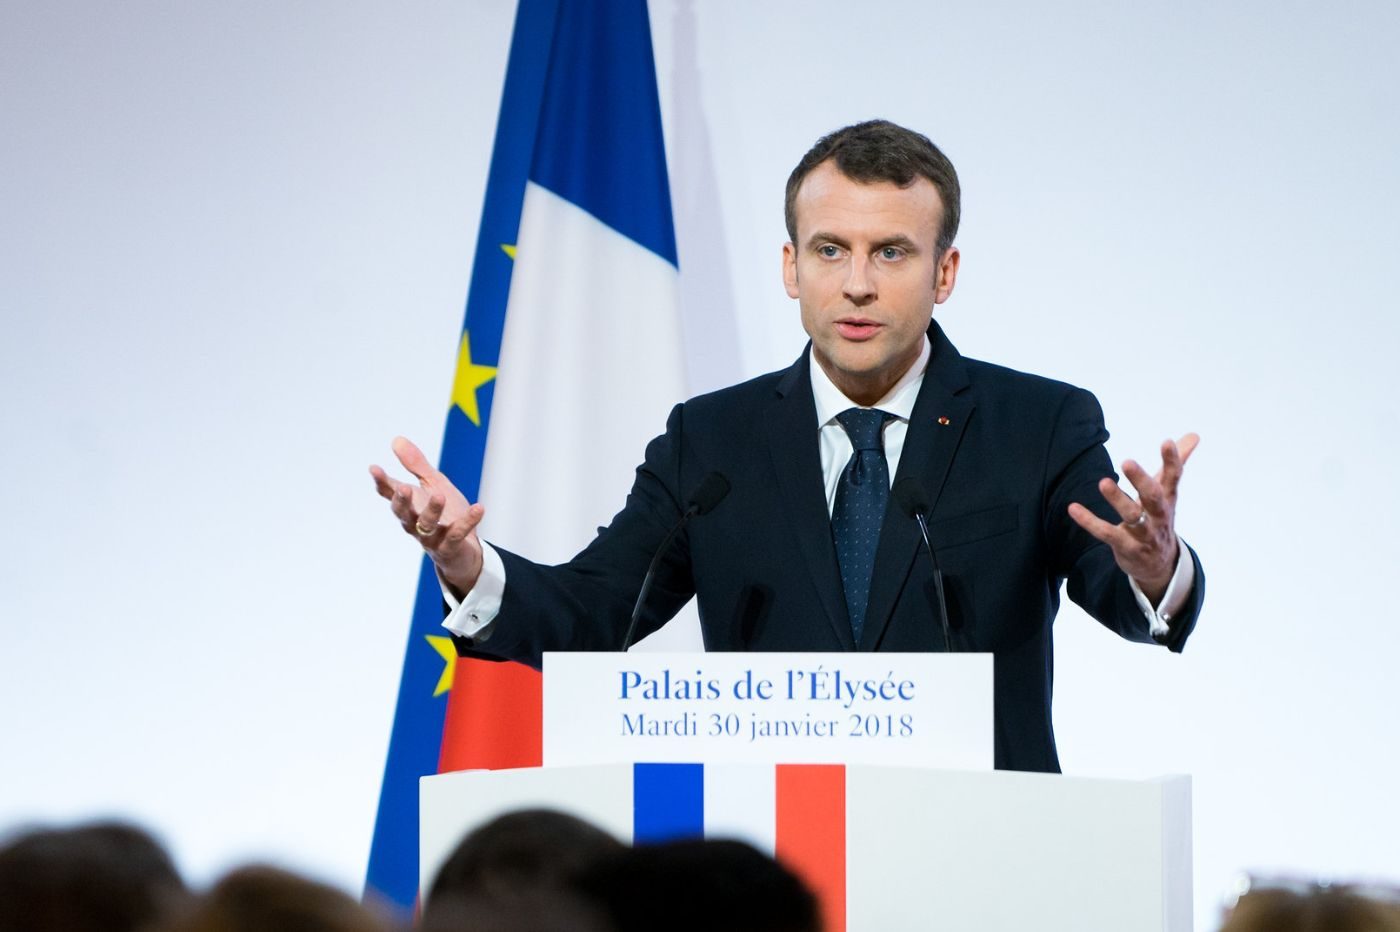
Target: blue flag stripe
(668, 802)
(600, 143)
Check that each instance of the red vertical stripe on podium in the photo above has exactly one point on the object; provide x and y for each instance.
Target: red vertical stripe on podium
(481, 731)
(811, 833)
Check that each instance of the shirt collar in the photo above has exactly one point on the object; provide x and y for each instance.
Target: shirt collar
(899, 400)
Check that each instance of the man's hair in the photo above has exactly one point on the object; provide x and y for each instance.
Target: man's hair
(878, 150)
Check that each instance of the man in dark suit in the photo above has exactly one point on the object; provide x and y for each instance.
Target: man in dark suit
(809, 551)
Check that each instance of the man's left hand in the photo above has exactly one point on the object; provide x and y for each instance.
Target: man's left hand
(1144, 544)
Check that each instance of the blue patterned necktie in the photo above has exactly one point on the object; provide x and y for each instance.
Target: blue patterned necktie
(859, 509)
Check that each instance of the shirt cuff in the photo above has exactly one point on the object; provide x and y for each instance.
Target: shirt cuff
(473, 616)
(1176, 596)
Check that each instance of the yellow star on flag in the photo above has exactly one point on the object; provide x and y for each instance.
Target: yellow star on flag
(508, 249)
(470, 377)
(448, 651)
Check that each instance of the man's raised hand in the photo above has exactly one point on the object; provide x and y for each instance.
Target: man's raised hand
(436, 514)
(1144, 544)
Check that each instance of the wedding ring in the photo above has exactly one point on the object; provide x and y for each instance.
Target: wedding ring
(1139, 521)
(424, 531)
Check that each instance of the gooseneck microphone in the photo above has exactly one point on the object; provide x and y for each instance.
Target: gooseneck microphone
(911, 496)
(709, 493)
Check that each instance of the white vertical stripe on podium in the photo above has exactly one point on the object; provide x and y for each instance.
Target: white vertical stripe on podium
(740, 802)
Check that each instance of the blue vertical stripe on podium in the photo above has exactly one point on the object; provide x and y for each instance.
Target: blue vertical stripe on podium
(668, 802)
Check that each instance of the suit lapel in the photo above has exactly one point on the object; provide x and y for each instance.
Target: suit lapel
(793, 444)
(929, 448)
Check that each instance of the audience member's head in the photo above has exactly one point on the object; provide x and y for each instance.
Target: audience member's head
(546, 908)
(704, 886)
(520, 872)
(1322, 909)
(522, 851)
(106, 876)
(267, 899)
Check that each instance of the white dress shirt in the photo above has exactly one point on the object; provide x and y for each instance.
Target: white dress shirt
(473, 615)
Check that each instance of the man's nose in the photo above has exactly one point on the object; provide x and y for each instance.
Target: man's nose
(860, 285)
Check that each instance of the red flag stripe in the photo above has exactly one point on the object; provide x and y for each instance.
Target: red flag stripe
(494, 717)
(811, 833)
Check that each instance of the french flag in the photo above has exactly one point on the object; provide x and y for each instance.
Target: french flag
(796, 812)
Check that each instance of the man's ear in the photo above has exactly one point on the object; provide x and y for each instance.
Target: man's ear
(790, 269)
(947, 275)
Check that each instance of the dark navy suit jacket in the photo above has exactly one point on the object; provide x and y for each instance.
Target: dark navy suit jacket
(1015, 450)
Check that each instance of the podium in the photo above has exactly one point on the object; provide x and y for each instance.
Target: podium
(884, 847)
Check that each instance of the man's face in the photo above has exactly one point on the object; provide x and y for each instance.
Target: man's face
(866, 274)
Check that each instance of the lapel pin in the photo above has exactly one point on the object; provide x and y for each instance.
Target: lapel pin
(944, 420)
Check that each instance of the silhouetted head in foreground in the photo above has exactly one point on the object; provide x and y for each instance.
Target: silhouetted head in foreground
(703, 886)
(105, 876)
(1319, 910)
(268, 899)
(521, 872)
(523, 851)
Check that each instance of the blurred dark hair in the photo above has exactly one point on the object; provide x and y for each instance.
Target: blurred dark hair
(546, 909)
(878, 150)
(528, 853)
(268, 899)
(106, 876)
(1321, 909)
(703, 885)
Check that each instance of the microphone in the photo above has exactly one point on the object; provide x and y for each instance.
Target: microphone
(709, 493)
(911, 496)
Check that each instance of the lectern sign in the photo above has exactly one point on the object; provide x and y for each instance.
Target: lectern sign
(923, 710)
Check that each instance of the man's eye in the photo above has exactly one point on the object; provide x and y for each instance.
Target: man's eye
(891, 252)
(828, 251)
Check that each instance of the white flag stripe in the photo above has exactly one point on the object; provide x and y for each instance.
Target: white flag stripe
(590, 366)
(741, 802)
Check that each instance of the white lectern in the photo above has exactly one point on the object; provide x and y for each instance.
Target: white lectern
(885, 848)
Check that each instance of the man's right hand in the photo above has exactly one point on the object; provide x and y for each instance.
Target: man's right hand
(436, 514)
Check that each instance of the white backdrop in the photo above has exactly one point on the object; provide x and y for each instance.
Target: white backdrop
(234, 247)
